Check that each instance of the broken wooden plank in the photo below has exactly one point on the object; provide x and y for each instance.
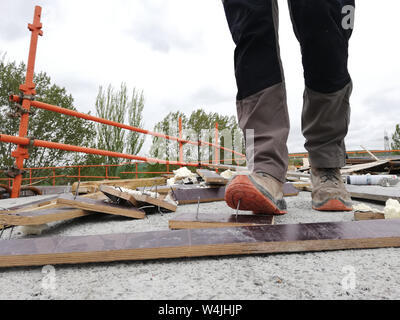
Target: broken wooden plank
(100, 206)
(375, 193)
(138, 200)
(201, 242)
(358, 216)
(218, 220)
(211, 177)
(43, 216)
(118, 196)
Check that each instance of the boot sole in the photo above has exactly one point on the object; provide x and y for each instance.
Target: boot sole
(333, 205)
(251, 199)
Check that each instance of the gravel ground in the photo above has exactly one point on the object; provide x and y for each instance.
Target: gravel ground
(352, 274)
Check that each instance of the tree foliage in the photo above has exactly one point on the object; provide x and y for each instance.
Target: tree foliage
(43, 125)
(115, 105)
(396, 138)
(200, 125)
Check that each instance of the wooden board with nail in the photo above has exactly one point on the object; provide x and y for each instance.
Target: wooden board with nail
(101, 206)
(217, 220)
(311, 237)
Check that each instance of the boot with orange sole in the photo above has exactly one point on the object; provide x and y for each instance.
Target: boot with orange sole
(257, 192)
(329, 191)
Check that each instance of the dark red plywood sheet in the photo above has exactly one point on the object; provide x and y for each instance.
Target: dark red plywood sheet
(201, 242)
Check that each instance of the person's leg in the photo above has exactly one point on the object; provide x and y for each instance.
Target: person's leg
(261, 98)
(323, 29)
(261, 104)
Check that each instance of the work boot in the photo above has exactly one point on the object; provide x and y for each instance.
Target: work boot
(329, 192)
(257, 192)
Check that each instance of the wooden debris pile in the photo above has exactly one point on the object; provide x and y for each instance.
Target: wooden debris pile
(207, 234)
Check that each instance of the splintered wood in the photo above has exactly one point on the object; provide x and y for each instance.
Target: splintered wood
(218, 220)
(100, 206)
(137, 199)
(201, 242)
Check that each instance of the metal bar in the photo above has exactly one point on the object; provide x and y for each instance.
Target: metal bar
(68, 147)
(180, 143)
(76, 114)
(216, 149)
(28, 89)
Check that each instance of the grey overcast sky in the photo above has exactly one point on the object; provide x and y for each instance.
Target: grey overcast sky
(180, 52)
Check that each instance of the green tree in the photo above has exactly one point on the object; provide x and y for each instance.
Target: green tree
(199, 126)
(135, 119)
(43, 125)
(396, 138)
(115, 105)
(163, 148)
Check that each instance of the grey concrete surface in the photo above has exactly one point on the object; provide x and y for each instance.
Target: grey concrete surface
(352, 274)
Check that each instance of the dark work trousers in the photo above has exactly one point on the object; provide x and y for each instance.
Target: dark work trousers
(323, 29)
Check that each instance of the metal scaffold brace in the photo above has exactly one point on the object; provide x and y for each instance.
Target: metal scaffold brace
(27, 94)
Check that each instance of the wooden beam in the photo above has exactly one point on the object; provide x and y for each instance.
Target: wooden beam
(43, 216)
(201, 243)
(358, 216)
(101, 206)
(375, 193)
(217, 220)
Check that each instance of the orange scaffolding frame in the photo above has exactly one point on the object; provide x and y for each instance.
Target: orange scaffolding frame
(26, 101)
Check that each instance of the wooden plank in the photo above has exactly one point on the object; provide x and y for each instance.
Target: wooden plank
(375, 193)
(188, 196)
(135, 199)
(217, 220)
(201, 243)
(93, 186)
(358, 216)
(364, 166)
(211, 177)
(301, 185)
(118, 196)
(289, 190)
(43, 216)
(101, 206)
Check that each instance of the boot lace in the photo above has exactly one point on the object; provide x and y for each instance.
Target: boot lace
(329, 175)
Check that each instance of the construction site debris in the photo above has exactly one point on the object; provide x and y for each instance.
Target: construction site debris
(392, 209)
(218, 220)
(382, 180)
(228, 174)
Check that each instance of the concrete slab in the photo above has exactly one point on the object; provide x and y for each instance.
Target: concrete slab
(354, 274)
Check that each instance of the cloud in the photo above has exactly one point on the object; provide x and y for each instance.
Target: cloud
(155, 25)
(17, 14)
